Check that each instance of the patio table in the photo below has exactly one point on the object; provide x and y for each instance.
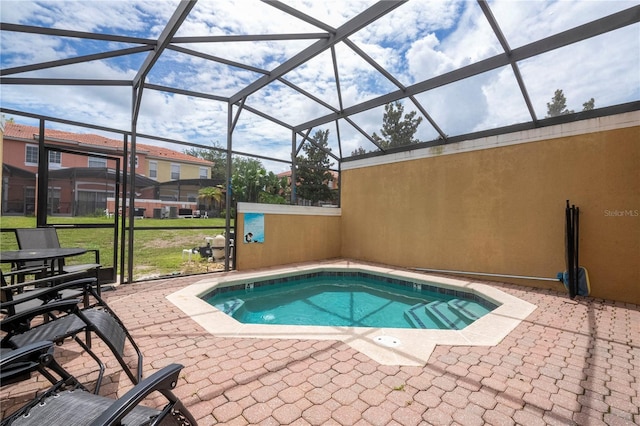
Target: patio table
(55, 255)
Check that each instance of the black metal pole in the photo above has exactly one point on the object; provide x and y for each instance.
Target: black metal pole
(576, 247)
(569, 249)
(42, 182)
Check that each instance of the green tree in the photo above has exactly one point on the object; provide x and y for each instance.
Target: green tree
(247, 181)
(312, 169)
(276, 189)
(558, 105)
(398, 128)
(210, 194)
(358, 151)
(251, 183)
(589, 105)
(217, 156)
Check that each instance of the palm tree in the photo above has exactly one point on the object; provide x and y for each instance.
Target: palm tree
(210, 194)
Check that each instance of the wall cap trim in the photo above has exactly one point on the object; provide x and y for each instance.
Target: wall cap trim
(592, 125)
(288, 209)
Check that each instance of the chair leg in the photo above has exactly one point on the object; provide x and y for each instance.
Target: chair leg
(98, 286)
(95, 357)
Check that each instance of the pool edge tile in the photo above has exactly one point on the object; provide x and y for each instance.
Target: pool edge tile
(414, 345)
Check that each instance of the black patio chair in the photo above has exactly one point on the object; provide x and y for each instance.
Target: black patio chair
(20, 296)
(74, 406)
(19, 272)
(67, 320)
(17, 365)
(40, 238)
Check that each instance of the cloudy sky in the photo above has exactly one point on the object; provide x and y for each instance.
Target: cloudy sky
(416, 41)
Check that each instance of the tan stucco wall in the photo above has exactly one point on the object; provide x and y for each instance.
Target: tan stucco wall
(290, 237)
(494, 206)
(501, 210)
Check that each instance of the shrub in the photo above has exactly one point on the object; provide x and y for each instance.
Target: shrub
(223, 213)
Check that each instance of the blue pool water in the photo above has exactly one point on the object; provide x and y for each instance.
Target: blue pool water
(349, 299)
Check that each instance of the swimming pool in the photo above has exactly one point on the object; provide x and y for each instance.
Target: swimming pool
(385, 345)
(349, 299)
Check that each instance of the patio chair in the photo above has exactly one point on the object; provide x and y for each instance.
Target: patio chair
(38, 238)
(19, 272)
(20, 296)
(67, 320)
(17, 365)
(60, 405)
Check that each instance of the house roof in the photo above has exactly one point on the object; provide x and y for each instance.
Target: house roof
(17, 171)
(23, 132)
(97, 173)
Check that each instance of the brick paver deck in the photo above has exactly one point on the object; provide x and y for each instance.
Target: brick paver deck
(570, 362)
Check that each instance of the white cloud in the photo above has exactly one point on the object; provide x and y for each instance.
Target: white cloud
(417, 41)
(532, 20)
(425, 60)
(504, 102)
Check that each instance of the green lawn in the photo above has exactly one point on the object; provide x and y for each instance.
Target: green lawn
(157, 252)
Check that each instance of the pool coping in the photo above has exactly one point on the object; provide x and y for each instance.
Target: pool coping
(387, 346)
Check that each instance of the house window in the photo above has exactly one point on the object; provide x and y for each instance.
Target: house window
(153, 170)
(31, 155)
(175, 171)
(203, 172)
(55, 158)
(97, 162)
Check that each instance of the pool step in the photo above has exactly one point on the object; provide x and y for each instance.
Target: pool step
(455, 314)
(230, 306)
(418, 317)
(446, 315)
(468, 309)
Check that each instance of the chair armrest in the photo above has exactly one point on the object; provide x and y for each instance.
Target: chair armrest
(46, 293)
(163, 380)
(25, 271)
(21, 321)
(97, 254)
(18, 364)
(18, 272)
(28, 353)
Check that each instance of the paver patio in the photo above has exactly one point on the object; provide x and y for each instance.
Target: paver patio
(570, 362)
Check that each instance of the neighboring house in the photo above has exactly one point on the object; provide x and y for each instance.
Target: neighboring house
(82, 173)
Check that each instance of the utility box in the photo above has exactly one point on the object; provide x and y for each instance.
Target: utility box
(157, 213)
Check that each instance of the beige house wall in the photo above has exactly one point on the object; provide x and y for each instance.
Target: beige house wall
(492, 205)
(293, 234)
(187, 171)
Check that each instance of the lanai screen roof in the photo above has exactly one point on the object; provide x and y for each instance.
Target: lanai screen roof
(275, 72)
